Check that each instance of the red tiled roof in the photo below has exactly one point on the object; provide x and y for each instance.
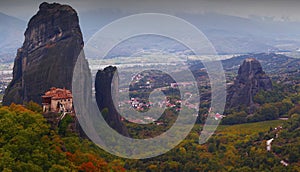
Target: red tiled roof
(58, 93)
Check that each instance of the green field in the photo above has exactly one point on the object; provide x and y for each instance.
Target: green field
(249, 128)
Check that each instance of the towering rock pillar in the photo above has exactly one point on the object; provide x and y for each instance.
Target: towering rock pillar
(250, 80)
(106, 87)
(53, 41)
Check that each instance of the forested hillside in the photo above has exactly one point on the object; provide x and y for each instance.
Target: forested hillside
(28, 144)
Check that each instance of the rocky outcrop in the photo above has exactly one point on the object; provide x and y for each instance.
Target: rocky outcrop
(250, 80)
(53, 41)
(106, 87)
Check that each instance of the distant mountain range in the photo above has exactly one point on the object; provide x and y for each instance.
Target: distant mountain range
(232, 34)
(11, 36)
(229, 34)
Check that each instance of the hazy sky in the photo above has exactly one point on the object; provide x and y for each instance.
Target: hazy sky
(280, 10)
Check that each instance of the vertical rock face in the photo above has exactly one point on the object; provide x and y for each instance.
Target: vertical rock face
(53, 41)
(106, 87)
(250, 80)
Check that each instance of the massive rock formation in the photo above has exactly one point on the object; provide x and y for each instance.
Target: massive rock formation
(250, 80)
(106, 87)
(53, 41)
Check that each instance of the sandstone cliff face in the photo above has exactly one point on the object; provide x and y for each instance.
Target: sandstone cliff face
(53, 41)
(106, 84)
(250, 80)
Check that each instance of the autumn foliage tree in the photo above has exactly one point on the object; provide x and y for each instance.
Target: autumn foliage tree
(28, 144)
